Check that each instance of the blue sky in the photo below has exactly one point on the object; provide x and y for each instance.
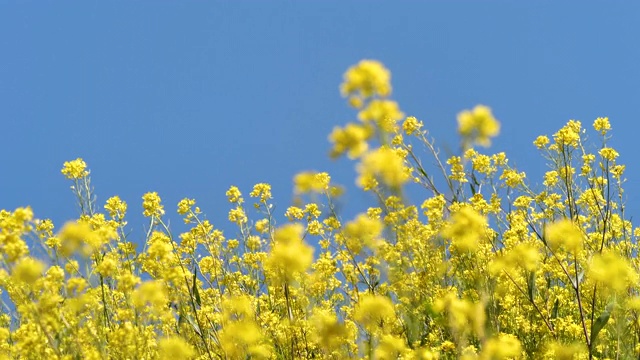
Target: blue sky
(187, 98)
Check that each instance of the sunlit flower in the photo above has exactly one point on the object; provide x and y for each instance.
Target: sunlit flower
(75, 169)
(478, 125)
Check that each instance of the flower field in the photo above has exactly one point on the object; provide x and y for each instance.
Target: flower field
(485, 264)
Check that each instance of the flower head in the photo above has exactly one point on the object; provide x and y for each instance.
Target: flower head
(384, 164)
(151, 205)
(478, 125)
(352, 139)
(366, 79)
(75, 169)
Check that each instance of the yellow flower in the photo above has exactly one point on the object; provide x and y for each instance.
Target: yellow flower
(237, 308)
(351, 139)
(153, 293)
(613, 271)
(329, 332)
(523, 255)
(434, 208)
(79, 235)
(116, 207)
(457, 169)
(185, 205)
(333, 223)
(75, 169)
(76, 285)
(28, 270)
(263, 191)
(503, 346)
(541, 141)
(356, 101)
(500, 159)
(465, 229)
(315, 228)
(464, 315)
(175, 348)
(608, 153)
(374, 310)
(294, 212)
(411, 125)
(241, 340)
(366, 79)
(237, 215)
(107, 266)
(447, 346)
(289, 254)
(569, 134)
(478, 125)
(564, 233)
(234, 195)
(45, 228)
(385, 113)
(151, 205)
(560, 351)
(305, 182)
(550, 178)
(159, 246)
(363, 231)
(390, 347)
(512, 178)
(482, 164)
(602, 124)
(385, 165)
(312, 210)
(262, 226)
(617, 171)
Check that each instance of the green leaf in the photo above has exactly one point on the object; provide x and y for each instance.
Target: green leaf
(193, 324)
(475, 186)
(531, 285)
(600, 322)
(194, 289)
(180, 321)
(554, 311)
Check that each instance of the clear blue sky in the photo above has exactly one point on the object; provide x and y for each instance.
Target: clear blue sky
(186, 98)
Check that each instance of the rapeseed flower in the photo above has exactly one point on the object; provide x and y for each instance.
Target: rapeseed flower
(75, 169)
(151, 205)
(411, 125)
(352, 139)
(466, 229)
(28, 270)
(564, 233)
(478, 125)
(366, 79)
(174, 348)
(602, 125)
(306, 182)
(374, 310)
(385, 165)
(289, 254)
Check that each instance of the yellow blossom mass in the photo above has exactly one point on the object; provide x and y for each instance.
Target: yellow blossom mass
(289, 254)
(366, 79)
(75, 169)
(305, 182)
(564, 233)
(478, 125)
(383, 164)
(466, 229)
(352, 139)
